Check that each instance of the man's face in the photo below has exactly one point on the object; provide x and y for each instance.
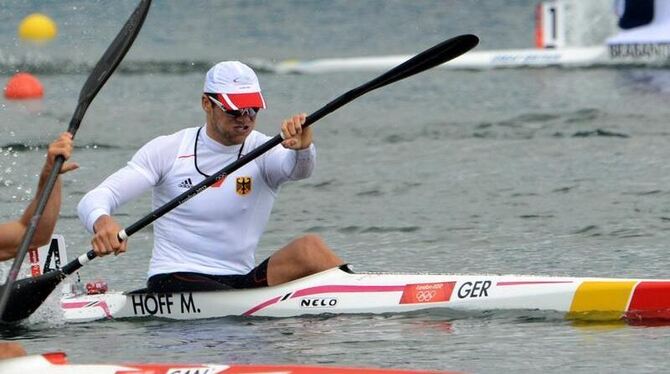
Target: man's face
(228, 127)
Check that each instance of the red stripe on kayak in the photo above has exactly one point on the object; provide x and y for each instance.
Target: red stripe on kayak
(75, 305)
(523, 283)
(88, 304)
(260, 306)
(651, 300)
(329, 289)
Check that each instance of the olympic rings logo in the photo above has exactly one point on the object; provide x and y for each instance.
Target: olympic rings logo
(425, 295)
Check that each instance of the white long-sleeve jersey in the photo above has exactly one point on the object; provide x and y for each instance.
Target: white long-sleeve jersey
(217, 231)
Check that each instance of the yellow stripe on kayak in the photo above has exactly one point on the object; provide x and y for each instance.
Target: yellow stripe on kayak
(601, 300)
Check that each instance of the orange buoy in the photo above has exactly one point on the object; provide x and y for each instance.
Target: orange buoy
(23, 86)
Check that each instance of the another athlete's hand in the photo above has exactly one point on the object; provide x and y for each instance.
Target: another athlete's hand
(60, 147)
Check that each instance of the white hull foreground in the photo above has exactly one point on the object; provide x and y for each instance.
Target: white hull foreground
(57, 363)
(341, 291)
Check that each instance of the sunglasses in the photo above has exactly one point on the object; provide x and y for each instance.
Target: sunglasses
(250, 112)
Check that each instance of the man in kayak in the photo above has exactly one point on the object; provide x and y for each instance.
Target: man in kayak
(209, 242)
(11, 233)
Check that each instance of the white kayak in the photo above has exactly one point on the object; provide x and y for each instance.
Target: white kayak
(567, 57)
(645, 54)
(342, 291)
(57, 363)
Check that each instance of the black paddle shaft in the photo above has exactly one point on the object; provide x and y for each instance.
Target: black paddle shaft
(425, 60)
(101, 72)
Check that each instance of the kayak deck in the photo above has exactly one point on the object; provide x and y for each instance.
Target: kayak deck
(341, 291)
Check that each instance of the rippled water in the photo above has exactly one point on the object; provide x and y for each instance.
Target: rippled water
(548, 171)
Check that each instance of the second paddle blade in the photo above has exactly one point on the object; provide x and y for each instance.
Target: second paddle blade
(28, 294)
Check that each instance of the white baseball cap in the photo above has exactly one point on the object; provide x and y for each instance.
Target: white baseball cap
(235, 85)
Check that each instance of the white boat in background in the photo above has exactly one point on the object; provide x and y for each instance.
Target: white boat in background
(342, 291)
(474, 60)
(568, 34)
(57, 363)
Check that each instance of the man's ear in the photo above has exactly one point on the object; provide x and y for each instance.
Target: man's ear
(206, 103)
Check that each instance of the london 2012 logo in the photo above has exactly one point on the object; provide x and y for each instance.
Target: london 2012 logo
(427, 293)
(425, 296)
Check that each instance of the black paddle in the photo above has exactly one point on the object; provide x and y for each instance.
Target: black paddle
(24, 300)
(43, 285)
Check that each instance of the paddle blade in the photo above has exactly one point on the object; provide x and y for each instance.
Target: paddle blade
(434, 56)
(109, 61)
(28, 294)
(439, 54)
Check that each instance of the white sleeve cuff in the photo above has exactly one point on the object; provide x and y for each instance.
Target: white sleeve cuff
(93, 216)
(304, 163)
(307, 153)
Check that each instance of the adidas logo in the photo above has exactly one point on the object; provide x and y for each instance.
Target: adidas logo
(186, 183)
